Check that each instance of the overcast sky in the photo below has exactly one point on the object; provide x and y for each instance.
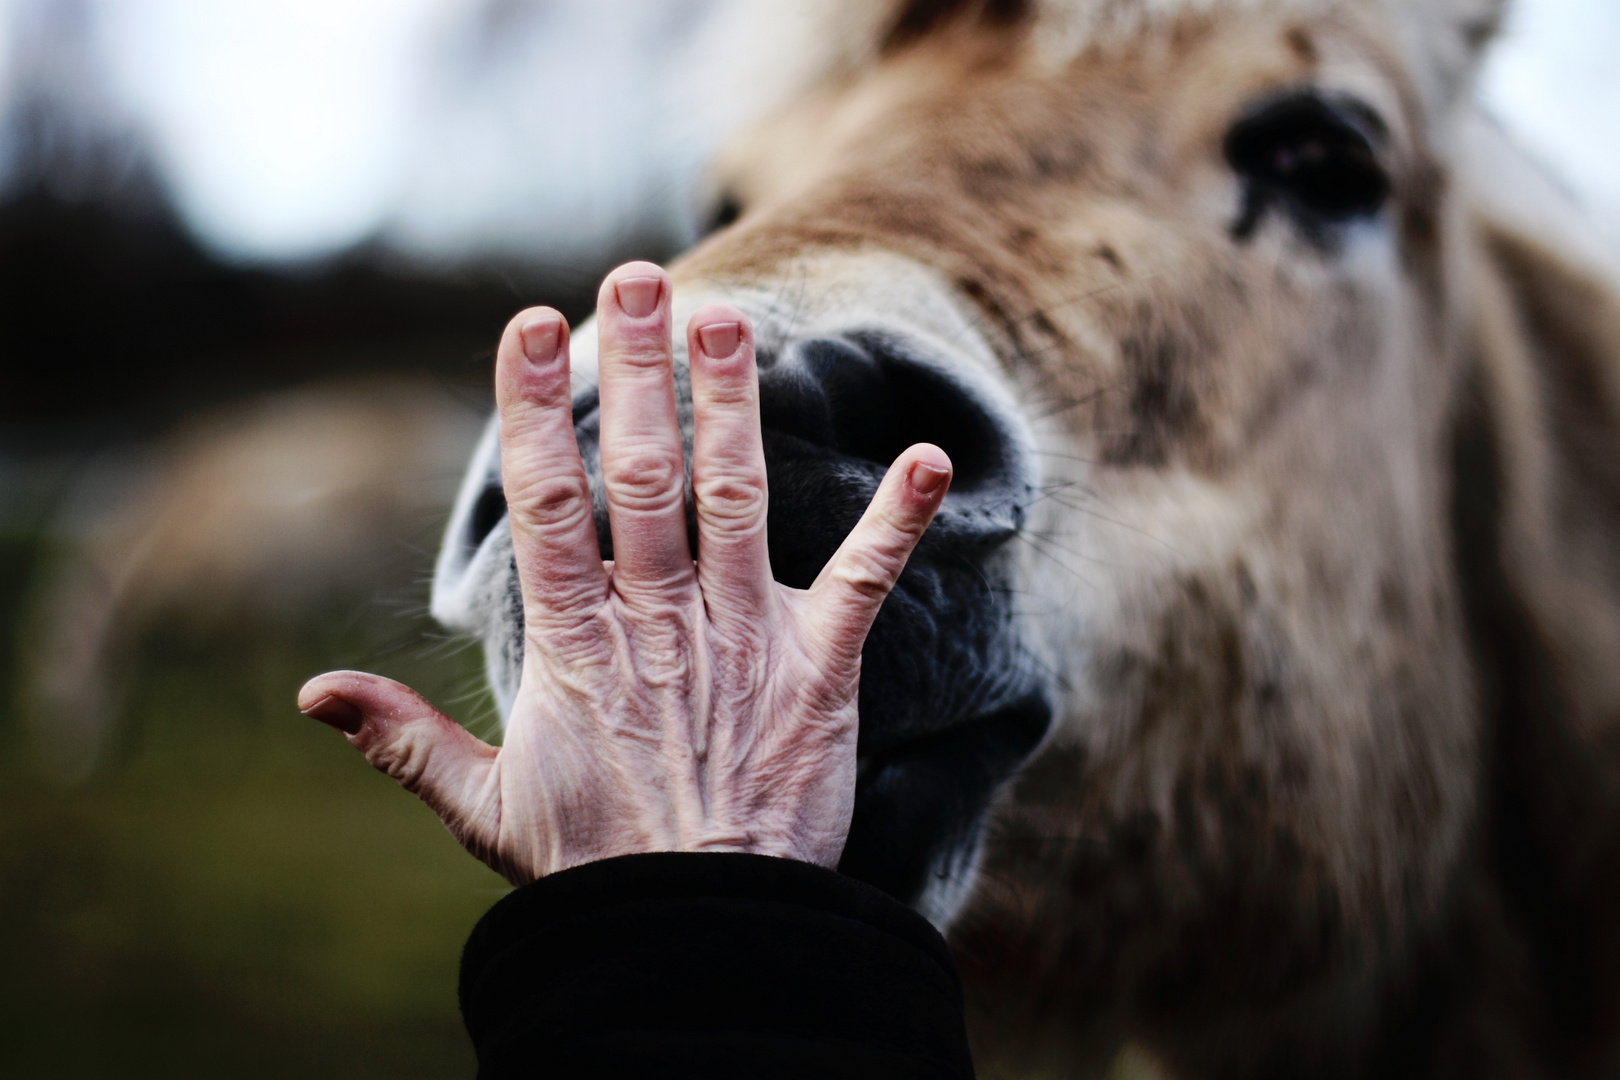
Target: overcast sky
(289, 129)
(1555, 80)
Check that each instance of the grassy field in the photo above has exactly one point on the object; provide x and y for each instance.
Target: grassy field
(235, 893)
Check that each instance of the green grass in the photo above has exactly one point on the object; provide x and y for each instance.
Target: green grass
(235, 893)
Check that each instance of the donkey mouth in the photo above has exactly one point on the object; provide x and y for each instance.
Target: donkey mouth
(920, 803)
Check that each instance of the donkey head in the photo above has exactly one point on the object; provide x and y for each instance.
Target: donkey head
(1188, 292)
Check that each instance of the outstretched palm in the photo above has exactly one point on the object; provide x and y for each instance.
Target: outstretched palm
(665, 705)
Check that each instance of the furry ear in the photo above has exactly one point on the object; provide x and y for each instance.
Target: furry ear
(1538, 540)
(1447, 40)
(1548, 322)
(1472, 23)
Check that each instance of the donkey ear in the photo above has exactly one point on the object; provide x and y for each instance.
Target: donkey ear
(1472, 23)
(1448, 39)
(1547, 319)
(1538, 541)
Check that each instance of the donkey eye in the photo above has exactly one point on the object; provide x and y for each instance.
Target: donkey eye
(726, 210)
(1313, 154)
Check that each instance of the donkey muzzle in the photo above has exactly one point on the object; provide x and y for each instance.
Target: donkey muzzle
(950, 705)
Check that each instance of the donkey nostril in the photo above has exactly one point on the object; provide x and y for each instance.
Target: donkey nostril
(487, 513)
(875, 401)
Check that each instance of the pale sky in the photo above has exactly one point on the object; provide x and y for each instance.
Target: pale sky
(1555, 80)
(289, 129)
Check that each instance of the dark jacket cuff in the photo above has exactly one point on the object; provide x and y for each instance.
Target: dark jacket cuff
(710, 964)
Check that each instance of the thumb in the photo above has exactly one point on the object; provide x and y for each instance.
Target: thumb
(845, 597)
(431, 755)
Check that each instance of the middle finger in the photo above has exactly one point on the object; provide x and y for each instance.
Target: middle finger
(643, 471)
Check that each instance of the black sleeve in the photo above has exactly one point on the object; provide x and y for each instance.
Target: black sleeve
(712, 965)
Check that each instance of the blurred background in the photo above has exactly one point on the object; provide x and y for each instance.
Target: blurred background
(254, 256)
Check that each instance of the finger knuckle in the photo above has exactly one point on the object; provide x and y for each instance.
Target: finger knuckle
(646, 479)
(734, 502)
(404, 758)
(895, 534)
(867, 573)
(555, 501)
(642, 349)
(727, 391)
(531, 395)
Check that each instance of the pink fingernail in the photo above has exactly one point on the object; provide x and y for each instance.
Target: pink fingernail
(925, 478)
(336, 712)
(540, 340)
(720, 340)
(638, 296)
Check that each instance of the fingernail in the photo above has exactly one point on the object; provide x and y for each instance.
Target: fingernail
(638, 296)
(540, 340)
(337, 713)
(925, 478)
(720, 340)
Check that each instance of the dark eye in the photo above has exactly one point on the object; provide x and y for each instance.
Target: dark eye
(1311, 154)
(726, 210)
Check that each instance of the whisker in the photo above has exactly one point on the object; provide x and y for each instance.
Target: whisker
(1035, 545)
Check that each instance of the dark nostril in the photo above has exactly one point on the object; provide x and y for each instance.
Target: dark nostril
(864, 398)
(486, 514)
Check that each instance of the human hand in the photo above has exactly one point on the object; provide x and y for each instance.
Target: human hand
(665, 705)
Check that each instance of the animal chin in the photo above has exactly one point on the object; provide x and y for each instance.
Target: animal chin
(920, 804)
